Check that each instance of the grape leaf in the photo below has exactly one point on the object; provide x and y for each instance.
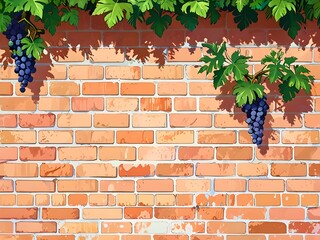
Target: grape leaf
(258, 4)
(114, 10)
(198, 7)
(298, 79)
(144, 5)
(214, 14)
(241, 3)
(280, 7)
(33, 47)
(51, 18)
(4, 22)
(158, 22)
(289, 60)
(35, 7)
(291, 22)
(81, 3)
(71, 16)
(220, 76)
(316, 7)
(189, 21)
(275, 72)
(167, 5)
(238, 65)
(217, 60)
(13, 6)
(288, 93)
(59, 2)
(247, 92)
(245, 18)
(136, 15)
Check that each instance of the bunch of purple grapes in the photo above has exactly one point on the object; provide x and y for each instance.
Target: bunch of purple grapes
(25, 64)
(256, 113)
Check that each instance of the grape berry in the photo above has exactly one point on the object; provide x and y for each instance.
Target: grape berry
(256, 113)
(25, 64)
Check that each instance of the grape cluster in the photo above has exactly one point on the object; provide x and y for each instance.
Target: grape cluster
(25, 64)
(256, 113)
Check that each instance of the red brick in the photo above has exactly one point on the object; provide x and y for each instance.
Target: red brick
(60, 213)
(18, 213)
(38, 153)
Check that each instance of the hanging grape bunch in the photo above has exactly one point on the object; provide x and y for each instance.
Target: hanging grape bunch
(17, 35)
(249, 91)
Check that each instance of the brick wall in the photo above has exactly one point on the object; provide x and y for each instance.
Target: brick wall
(105, 145)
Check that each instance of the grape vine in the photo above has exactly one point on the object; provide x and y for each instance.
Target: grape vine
(249, 91)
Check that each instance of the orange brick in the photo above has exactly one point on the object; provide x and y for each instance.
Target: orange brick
(184, 55)
(36, 227)
(149, 120)
(111, 120)
(8, 120)
(117, 186)
(267, 227)
(55, 136)
(172, 89)
(156, 153)
(78, 185)
(7, 199)
(155, 104)
(19, 136)
(42, 199)
(174, 213)
(165, 200)
(151, 185)
(100, 88)
(38, 153)
(8, 153)
(314, 169)
(6, 89)
(174, 169)
(185, 104)
(145, 199)
(117, 153)
(6, 185)
(309, 200)
(98, 199)
(6, 227)
(19, 213)
(84, 72)
(58, 199)
(102, 213)
(267, 199)
(138, 213)
(64, 89)
(246, 213)
(96, 170)
(77, 153)
(229, 120)
(132, 137)
(165, 72)
(123, 72)
(18, 170)
(226, 227)
(77, 199)
(214, 137)
(141, 170)
(126, 199)
(56, 170)
(310, 185)
(306, 137)
(203, 88)
(286, 214)
(306, 153)
(60, 213)
(270, 137)
(214, 169)
(79, 227)
(195, 185)
(249, 169)
(106, 55)
(17, 104)
(25, 200)
(177, 136)
(36, 120)
(116, 227)
(227, 153)
(276, 153)
(54, 104)
(137, 88)
(289, 170)
(230, 185)
(56, 72)
(266, 185)
(94, 136)
(290, 199)
(35, 186)
(74, 120)
(122, 104)
(80, 104)
(190, 120)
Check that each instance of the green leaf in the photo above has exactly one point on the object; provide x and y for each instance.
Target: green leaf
(298, 79)
(280, 7)
(4, 22)
(241, 3)
(14, 6)
(144, 5)
(114, 10)
(167, 5)
(247, 92)
(51, 18)
(199, 7)
(245, 18)
(203, 68)
(292, 22)
(81, 3)
(189, 21)
(289, 60)
(220, 76)
(238, 65)
(35, 7)
(316, 7)
(258, 4)
(158, 22)
(35, 47)
(214, 14)
(288, 93)
(136, 15)
(58, 3)
(275, 72)
(71, 16)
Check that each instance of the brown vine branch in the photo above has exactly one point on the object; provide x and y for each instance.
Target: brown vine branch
(26, 18)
